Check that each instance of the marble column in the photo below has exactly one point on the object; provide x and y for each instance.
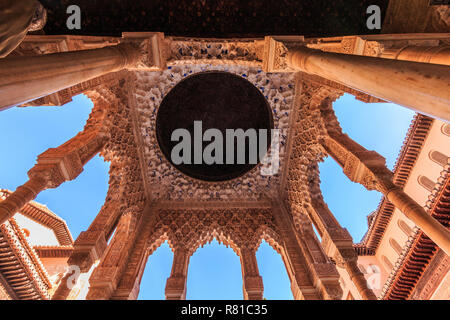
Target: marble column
(252, 282)
(54, 166)
(23, 194)
(429, 225)
(176, 283)
(369, 169)
(422, 87)
(26, 78)
(433, 54)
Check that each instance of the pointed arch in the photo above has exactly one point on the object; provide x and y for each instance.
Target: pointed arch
(272, 267)
(157, 270)
(214, 273)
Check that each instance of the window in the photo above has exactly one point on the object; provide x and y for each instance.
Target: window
(394, 244)
(426, 183)
(387, 263)
(446, 129)
(157, 270)
(439, 158)
(404, 227)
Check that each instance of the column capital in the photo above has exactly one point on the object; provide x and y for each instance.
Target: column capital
(151, 47)
(56, 169)
(276, 50)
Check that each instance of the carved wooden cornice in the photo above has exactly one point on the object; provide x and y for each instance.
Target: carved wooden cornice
(432, 278)
(6, 291)
(53, 251)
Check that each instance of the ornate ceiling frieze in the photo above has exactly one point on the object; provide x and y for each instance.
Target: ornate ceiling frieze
(238, 227)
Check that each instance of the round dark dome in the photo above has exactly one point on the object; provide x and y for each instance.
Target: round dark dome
(222, 101)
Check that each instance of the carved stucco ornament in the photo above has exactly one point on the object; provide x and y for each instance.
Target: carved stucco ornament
(276, 51)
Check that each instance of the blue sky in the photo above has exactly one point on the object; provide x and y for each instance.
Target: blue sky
(214, 271)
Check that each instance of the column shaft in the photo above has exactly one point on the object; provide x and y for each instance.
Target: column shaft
(176, 283)
(23, 79)
(23, 194)
(369, 169)
(429, 225)
(422, 87)
(252, 282)
(436, 54)
(129, 285)
(357, 277)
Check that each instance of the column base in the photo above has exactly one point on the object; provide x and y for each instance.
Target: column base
(176, 288)
(253, 288)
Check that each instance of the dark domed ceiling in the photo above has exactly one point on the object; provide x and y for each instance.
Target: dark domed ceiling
(220, 101)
